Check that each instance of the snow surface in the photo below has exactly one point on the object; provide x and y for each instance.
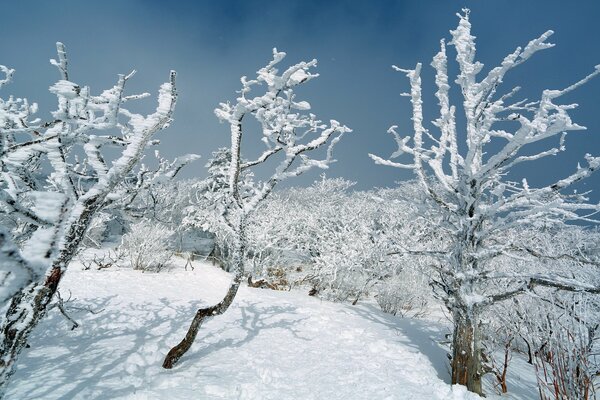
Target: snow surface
(268, 345)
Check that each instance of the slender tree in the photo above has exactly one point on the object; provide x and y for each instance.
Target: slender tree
(55, 176)
(289, 134)
(469, 191)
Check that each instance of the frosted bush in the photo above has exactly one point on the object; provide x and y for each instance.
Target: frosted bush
(147, 246)
(405, 294)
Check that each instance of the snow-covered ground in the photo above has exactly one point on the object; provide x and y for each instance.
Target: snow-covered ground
(268, 345)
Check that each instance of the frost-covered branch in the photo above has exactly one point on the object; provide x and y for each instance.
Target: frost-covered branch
(55, 177)
(283, 124)
(556, 282)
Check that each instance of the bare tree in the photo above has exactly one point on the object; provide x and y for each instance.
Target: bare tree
(468, 191)
(55, 176)
(289, 135)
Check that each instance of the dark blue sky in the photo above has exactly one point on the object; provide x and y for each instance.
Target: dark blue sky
(212, 43)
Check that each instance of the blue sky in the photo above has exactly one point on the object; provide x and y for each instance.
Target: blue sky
(212, 43)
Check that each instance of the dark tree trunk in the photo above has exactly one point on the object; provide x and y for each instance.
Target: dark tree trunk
(529, 352)
(29, 306)
(201, 316)
(466, 352)
(501, 375)
(205, 314)
(26, 309)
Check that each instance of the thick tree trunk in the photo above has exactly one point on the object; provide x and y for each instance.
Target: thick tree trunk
(466, 352)
(205, 314)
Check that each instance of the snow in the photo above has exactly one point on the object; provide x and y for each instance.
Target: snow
(47, 205)
(298, 77)
(269, 345)
(66, 89)
(35, 250)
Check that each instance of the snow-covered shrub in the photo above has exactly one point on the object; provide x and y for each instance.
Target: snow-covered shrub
(353, 243)
(335, 240)
(148, 246)
(406, 294)
(563, 334)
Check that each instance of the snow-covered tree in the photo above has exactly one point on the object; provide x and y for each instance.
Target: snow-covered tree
(147, 246)
(151, 192)
(55, 177)
(468, 189)
(564, 334)
(289, 134)
(209, 203)
(346, 237)
(292, 227)
(547, 320)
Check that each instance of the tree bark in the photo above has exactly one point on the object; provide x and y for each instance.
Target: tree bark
(466, 352)
(29, 306)
(204, 314)
(26, 309)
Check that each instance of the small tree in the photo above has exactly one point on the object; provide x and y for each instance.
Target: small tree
(469, 193)
(147, 246)
(55, 177)
(288, 133)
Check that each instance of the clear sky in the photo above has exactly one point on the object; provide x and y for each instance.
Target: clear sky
(212, 43)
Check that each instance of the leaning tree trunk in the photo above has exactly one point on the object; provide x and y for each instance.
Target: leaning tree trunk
(25, 311)
(29, 306)
(466, 351)
(204, 314)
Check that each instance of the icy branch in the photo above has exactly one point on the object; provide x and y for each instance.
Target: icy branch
(286, 130)
(8, 75)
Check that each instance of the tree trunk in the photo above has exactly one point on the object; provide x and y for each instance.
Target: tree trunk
(501, 375)
(26, 309)
(205, 314)
(201, 316)
(466, 352)
(29, 306)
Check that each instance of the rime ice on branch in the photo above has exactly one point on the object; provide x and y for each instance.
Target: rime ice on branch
(289, 135)
(55, 176)
(478, 206)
